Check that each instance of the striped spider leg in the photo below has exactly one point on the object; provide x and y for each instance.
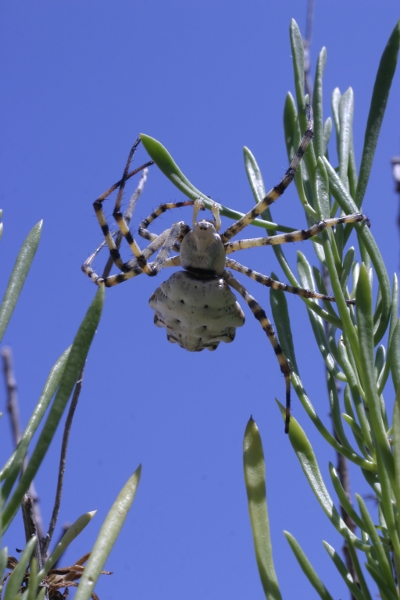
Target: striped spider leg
(162, 243)
(255, 307)
(294, 236)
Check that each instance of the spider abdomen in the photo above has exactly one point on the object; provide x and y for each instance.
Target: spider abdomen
(196, 313)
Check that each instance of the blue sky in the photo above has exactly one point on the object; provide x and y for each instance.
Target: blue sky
(80, 81)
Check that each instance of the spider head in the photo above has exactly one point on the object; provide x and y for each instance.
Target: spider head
(202, 251)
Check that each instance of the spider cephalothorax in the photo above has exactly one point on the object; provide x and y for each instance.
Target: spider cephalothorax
(196, 306)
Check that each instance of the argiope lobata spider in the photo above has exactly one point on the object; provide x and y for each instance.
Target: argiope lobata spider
(196, 306)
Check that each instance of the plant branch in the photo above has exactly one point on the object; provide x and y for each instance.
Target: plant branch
(396, 177)
(33, 516)
(63, 458)
(307, 44)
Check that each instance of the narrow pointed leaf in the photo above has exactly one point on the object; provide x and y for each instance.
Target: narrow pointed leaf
(343, 498)
(308, 462)
(18, 276)
(384, 591)
(319, 142)
(168, 166)
(307, 568)
(32, 588)
(366, 345)
(257, 187)
(72, 532)
(3, 561)
(254, 475)
(396, 445)
(383, 82)
(16, 577)
(72, 369)
(297, 45)
(107, 536)
(346, 112)
(13, 466)
(348, 205)
(341, 567)
(381, 556)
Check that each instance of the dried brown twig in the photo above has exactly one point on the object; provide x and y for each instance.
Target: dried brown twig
(33, 514)
(342, 463)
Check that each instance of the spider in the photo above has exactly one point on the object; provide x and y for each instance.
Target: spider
(196, 306)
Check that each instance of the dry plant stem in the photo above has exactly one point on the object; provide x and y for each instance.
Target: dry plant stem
(28, 512)
(343, 472)
(307, 43)
(63, 458)
(342, 464)
(13, 411)
(396, 177)
(12, 398)
(342, 467)
(127, 216)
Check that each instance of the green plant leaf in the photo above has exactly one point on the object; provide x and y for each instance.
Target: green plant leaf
(32, 587)
(281, 317)
(296, 42)
(367, 371)
(381, 562)
(392, 359)
(343, 499)
(107, 536)
(348, 206)
(254, 475)
(319, 142)
(396, 446)
(72, 532)
(3, 562)
(16, 577)
(18, 276)
(383, 82)
(394, 356)
(308, 462)
(12, 468)
(257, 187)
(346, 113)
(72, 369)
(307, 568)
(168, 166)
(357, 567)
(341, 567)
(384, 591)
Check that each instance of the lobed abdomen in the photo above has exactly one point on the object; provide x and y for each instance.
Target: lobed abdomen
(196, 313)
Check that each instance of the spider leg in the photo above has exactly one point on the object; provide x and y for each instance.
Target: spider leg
(148, 235)
(98, 205)
(128, 216)
(265, 323)
(278, 190)
(295, 236)
(130, 269)
(173, 261)
(277, 285)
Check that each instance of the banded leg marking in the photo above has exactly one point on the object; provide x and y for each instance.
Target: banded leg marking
(148, 235)
(265, 323)
(98, 206)
(295, 236)
(114, 252)
(277, 190)
(278, 285)
(164, 243)
(136, 251)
